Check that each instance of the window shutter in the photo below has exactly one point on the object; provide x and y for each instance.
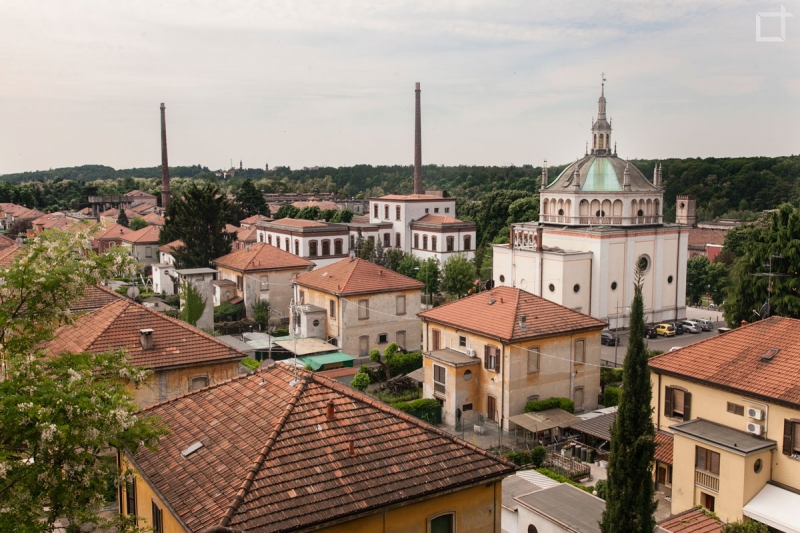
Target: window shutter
(668, 401)
(486, 357)
(687, 406)
(496, 360)
(788, 426)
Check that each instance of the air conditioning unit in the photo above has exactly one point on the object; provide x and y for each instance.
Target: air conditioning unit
(754, 428)
(471, 352)
(754, 413)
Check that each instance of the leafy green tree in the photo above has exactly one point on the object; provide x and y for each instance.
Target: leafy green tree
(310, 213)
(193, 303)
(717, 281)
(379, 255)
(198, 218)
(360, 382)
(458, 275)
(629, 503)
(344, 216)
(392, 258)
(287, 211)
(750, 287)
(524, 210)
(261, 313)
(137, 223)
(428, 274)
(60, 415)
(696, 278)
(122, 219)
(408, 266)
(329, 214)
(375, 355)
(494, 212)
(745, 525)
(250, 199)
(367, 250)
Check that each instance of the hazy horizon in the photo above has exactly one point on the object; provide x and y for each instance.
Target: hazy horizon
(306, 84)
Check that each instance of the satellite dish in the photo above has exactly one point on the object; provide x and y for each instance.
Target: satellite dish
(765, 311)
(133, 292)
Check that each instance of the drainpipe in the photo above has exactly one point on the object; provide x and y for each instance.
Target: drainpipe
(571, 358)
(502, 390)
(658, 406)
(677, 269)
(591, 276)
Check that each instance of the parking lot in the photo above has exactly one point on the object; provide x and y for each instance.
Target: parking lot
(607, 353)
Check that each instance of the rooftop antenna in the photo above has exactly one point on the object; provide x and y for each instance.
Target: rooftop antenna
(766, 309)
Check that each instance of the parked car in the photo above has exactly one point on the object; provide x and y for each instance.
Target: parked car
(691, 326)
(667, 330)
(706, 325)
(650, 332)
(678, 328)
(609, 339)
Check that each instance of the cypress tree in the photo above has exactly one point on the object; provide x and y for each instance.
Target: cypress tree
(629, 503)
(122, 219)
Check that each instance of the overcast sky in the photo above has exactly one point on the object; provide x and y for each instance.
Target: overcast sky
(306, 83)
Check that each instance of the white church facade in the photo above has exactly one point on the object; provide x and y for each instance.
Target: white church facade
(599, 219)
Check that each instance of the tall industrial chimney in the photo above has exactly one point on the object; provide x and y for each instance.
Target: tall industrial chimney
(166, 196)
(418, 147)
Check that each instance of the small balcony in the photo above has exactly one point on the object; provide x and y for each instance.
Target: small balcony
(707, 480)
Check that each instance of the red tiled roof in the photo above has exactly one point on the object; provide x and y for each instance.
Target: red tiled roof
(6, 242)
(253, 219)
(262, 256)
(114, 231)
(247, 234)
(117, 325)
(94, 297)
(154, 219)
(8, 254)
(734, 360)
(356, 276)
(699, 237)
(691, 521)
(413, 197)
(438, 219)
(137, 192)
(230, 228)
(114, 213)
(272, 461)
(299, 222)
(148, 234)
(170, 247)
(664, 442)
(501, 319)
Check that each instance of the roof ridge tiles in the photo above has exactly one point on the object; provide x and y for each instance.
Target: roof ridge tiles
(262, 456)
(366, 398)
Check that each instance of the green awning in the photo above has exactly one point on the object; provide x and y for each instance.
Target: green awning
(328, 360)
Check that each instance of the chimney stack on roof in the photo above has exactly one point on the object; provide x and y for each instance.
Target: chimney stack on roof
(330, 412)
(146, 338)
(166, 196)
(352, 447)
(418, 146)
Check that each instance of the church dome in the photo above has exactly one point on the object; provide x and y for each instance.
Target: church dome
(601, 173)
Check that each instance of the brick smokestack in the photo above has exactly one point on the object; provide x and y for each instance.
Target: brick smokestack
(166, 196)
(418, 147)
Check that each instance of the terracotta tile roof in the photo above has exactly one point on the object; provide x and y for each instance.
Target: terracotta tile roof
(8, 254)
(94, 297)
(413, 197)
(137, 192)
(262, 256)
(170, 247)
(117, 325)
(691, 521)
(356, 276)
(247, 234)
(734, 360)
(323, 205)
(6, 242)
(438, 219)
(114, 231)
(230, 228)
(664, 442)
(299, 222)
(114, 213)
(699, 237)
(148, 234)
(252, 220)
(501, 319)
(154, 219)
(272, 461)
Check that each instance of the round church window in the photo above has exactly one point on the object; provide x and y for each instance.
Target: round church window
(643, 263)
(613, 285)
(552, 288)
(669, 279)
(576, 288)
(683, 205)
(502, 278)
(758, 465)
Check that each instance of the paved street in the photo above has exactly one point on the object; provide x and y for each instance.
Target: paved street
(665, 343)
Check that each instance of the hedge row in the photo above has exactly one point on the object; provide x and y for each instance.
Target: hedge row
(551, 403)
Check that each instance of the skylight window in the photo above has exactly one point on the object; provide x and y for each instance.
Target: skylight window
(191, 449)
(772, 352)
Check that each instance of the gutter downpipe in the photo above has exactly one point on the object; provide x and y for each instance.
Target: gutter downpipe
(677, 269)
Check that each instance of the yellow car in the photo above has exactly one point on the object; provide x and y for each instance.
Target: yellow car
(667, 330)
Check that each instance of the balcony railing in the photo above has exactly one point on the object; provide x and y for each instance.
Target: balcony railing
(707, 480)
(438, 388)
(601, 221)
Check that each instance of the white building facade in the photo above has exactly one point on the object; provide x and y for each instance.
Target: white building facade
(599, 220)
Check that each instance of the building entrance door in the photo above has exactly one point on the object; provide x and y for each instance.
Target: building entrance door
(491, 408)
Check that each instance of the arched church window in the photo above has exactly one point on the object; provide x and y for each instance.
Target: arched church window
(640, 213)
(561, 212)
